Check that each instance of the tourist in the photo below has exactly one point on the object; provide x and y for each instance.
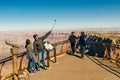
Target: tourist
(82, 43)
(72, 39)
(39, 49)
(31, 61)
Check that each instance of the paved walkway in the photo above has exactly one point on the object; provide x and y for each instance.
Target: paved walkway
(73, 68)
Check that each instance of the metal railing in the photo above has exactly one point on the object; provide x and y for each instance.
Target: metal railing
(59, 48)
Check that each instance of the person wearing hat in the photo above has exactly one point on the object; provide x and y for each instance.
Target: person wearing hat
(39, 49)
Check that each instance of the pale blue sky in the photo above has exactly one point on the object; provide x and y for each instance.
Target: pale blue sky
(70, 14)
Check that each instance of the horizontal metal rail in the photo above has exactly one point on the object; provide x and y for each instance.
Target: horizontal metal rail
(21, 55)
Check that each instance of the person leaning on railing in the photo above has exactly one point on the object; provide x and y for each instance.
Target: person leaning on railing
(39, 48)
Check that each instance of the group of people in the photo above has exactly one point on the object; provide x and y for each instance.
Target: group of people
(106, 48)
(36, 55)
(38, 51)
(81, 43)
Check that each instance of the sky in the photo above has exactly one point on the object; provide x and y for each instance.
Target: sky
(70, 14)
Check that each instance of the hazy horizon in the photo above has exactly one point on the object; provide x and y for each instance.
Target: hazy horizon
(64, 30)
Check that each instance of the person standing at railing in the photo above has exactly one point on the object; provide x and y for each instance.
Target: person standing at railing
(72, 39)
(31, 61)
(39, 48)
(116, 50)
(107, 52)
(82, 43)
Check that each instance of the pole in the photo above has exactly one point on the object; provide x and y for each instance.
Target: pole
(54, 24)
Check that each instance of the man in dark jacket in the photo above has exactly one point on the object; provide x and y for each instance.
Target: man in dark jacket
(39, 48)
(82, 44)
(72, 39)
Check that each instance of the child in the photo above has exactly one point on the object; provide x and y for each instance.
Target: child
(31, 61)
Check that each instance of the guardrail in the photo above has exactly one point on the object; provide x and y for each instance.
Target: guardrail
(59, 48)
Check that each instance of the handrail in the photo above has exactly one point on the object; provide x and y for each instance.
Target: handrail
(62, 42)
(23, 53)
(10, 57)
(3, 61)
(103, 44)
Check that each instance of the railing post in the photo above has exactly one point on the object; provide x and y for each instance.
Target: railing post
(48, 58)
(1, 70)
(20, 66)
(55, 55)
(14, 52)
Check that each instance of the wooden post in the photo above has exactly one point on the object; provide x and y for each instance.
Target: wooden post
(14, 52)
(20, 66)
(55, 55)
(48, 58)
(1, 70)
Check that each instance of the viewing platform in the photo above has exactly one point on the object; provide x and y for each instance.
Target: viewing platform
(63, 66)
(73, 68)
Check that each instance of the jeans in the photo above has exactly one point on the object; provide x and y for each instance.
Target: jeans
(73, 47)
(82, 51)
(77, 45)
(31, 64)
(42, 56)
